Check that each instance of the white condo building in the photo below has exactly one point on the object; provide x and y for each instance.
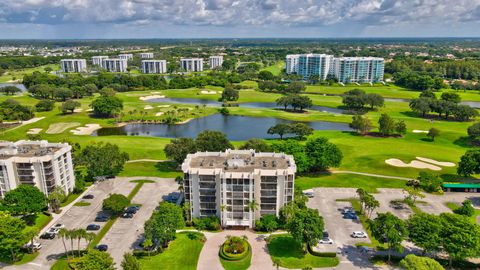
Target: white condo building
(225, 184)
(146, 55)
(98, 60)
(115, 65)
(191, 64)
(125, 56)
(215, 61)
(345, 69)
(37, 163)
(73, 65)
(154, 66)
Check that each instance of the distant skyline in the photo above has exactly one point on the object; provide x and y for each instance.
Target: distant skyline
(111, 19)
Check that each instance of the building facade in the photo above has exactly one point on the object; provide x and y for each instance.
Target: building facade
(344, 69)
(215, 61)
(38, 163)
(228, 185)
(98, 60)
(73, 65)
(191, 64)
(359, 69)
(115, 65)
(146, 55)
(154, 66)
(125, 56)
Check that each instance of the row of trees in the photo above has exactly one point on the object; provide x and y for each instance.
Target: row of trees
(447, 105)
(357, 99)
(12, 110)
(9, 90)
(300, 130)
(290, 88)
(387, 126)
(62, 93)
(418, 81)
(295, 101)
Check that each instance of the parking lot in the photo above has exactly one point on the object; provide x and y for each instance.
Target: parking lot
(126, 233)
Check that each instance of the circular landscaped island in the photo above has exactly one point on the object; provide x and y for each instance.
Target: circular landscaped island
(235, 253)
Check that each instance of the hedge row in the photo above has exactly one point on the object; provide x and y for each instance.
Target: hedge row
(321, 254)
(234, 257)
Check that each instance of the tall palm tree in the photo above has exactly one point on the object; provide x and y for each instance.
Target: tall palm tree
(89, 237)
(72, 234)
(31, 233)
(222, 209)
(80, 234)
(63, 233)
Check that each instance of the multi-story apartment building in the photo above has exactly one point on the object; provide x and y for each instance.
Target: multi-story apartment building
(191, 64)
(154, 66)
(227, 184)
(98, 60)
(73, 65)
(291, 63)
(215, 61)
(115, 65)
(359, 69)
(37, 163)
(146, 55)
(125, 56)
(345, 69)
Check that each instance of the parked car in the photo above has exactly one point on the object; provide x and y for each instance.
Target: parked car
(102, 247)
(93, 227)
(35, 246)
(358, 234)
(350, 216)
(88, 196)
(101, 218)
(58, 226)
(132, 209)
(348, 210)
(366, 250)
(327, 241)
(325, 234)
(47, 235)
(127, 215)
(53, 230)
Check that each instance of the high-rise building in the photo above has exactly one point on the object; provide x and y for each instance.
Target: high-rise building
(314, 65)
(38, 163)
(291, 63)
(215, 61)
(98, 60)
(146, 55)
(115, 65)
(191, 64)
(154, 66)
(73, 65)
(226, 184)
(125, 56)
(359, 69)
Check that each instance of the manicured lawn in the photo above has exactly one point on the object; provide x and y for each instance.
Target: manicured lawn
(41, 221)
(165, 169)
(284, 249)
(275, 69)
(242, 264)
(18, 74)
(23, 258)
(70, 198)
(368, 183)
(181, 254)
(81, 204)
(60, 264)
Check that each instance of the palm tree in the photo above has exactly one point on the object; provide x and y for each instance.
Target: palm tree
(80, 234)
(89, 236)
(31, 233)
(72, 234)
(63, 233)
(222, 209)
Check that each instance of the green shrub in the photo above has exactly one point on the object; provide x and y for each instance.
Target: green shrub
(236, 243)
(321, 254)
(211, 223)
(466, 209)
(267, 223)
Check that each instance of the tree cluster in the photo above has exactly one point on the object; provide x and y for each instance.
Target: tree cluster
(108, 159)
(357, 99)
(418, 81)
(387, 126)
(160, 228)
(300, 130)
(9, 90)
(447, 105)
(295, 101)
(291, 88)
(12, 110)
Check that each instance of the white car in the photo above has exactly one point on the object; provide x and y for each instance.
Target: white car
(35, 246)
(58, 226)
(327, 241)
(358, 235)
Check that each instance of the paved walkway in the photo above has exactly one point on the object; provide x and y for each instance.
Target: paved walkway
(147, 160)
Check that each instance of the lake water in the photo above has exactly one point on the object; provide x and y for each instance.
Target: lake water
(236, 128)
(18, 85)
(214, 103)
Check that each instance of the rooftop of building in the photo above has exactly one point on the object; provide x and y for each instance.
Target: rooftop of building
(29, 149)
(239, 161)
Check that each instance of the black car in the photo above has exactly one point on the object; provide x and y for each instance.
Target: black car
(88, 196)
(127, 215)
(325, 234)
(47, 235)
(102, 247)
(132, 209)
(101, 218)
(93, 227)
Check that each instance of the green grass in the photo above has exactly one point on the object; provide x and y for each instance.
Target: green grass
(81, 204)
(70, 198)
(370, 184)
(41, 221)
(142, 181)
(242, 264)
(103, 231)
(181, 254)
(288, 252)
(454, 206)
(23, 258)
(275, 69)
(19, 73)
(165, 169)
(60, 264)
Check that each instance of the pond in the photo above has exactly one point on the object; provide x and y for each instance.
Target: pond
(237, 128)
(214, 103)
(18, 85)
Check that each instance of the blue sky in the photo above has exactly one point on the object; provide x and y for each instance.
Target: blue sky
(238, 18)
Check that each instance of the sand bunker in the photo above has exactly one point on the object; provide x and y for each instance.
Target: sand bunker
(61, 127)
(151, 97)
(89, 110)
(435, 162)
(413, 164)
(159, 113)
(34, 130)
(78, 110)
(155, 92)
(205, 92)
(88, 129)
(148, 107)
(419, 131)
(163, 106)
(33, 120)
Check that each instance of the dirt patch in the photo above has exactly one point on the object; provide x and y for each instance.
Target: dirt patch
(61, 127)
(436, 162)
(88, 129)
(413, 164)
